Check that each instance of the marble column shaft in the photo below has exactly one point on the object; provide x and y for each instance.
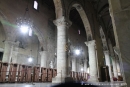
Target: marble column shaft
(44, 58)
(92, 60)
(108, 63)
(114, 62)
(15, 52)
(7, 51)
(85, 66)
(74, 64)
(62, 26)
(118, 68)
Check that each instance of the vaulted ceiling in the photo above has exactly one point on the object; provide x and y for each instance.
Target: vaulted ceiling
(101, 8)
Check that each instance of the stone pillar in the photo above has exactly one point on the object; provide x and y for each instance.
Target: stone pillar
(7, 51)
(85, 66)
(69, 62)
(107, 58)
(62, 26)
(78, 65)
(118, 68)
(114, 62)
(44, 58)
(69, 69)
(92, 61)
(74, 64)
(120, 15)
(15, 52)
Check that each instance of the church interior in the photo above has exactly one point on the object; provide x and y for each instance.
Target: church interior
(57, 41)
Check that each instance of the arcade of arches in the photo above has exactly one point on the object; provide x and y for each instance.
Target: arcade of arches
(98, 29)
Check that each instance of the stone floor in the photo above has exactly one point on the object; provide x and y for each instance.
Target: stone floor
(99, 84)
(26, 85)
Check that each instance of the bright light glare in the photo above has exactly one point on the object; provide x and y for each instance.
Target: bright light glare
(30, 59)
(24, 29)
(35, 5)
(82, 69)
(77, 52)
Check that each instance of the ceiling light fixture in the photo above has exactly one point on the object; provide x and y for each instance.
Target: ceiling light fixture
(25, 24)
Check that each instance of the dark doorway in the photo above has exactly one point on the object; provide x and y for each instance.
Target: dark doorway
(1, 56)
(105, 73)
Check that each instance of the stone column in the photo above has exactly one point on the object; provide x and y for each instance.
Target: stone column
(114, 62)
(107, 58)
(7, 51)
(15, 52)
(62, 26)
(120, 15)
(118, 68)
(78, 65)
(69, 62)
(92, 61)
(85, 66)
(69, 69)
(44, 56)
(74, 64)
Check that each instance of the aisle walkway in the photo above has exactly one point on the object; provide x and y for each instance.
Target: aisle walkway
(100, 84)
(26, 84)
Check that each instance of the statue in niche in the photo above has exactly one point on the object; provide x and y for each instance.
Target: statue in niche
(51, 64)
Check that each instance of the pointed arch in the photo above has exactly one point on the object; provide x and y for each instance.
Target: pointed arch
(84, 18)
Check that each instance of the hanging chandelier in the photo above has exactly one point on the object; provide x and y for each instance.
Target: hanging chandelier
(25, 24)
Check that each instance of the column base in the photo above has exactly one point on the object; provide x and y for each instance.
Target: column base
(111, 79)
(62, 80)
(93, 79)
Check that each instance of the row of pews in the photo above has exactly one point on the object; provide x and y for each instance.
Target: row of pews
(24, 73)
(79, 76)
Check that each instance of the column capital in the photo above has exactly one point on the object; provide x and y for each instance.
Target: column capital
(92, 43)
(62, 21)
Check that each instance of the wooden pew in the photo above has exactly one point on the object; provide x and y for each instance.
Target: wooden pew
(28, 74)
(43, 74)
(49, 75)
(4, 71)
(36, 74)
(21, 73)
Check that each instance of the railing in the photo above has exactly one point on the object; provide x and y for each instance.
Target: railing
(79, 76)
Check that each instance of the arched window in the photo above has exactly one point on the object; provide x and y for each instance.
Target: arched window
(35, 5)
